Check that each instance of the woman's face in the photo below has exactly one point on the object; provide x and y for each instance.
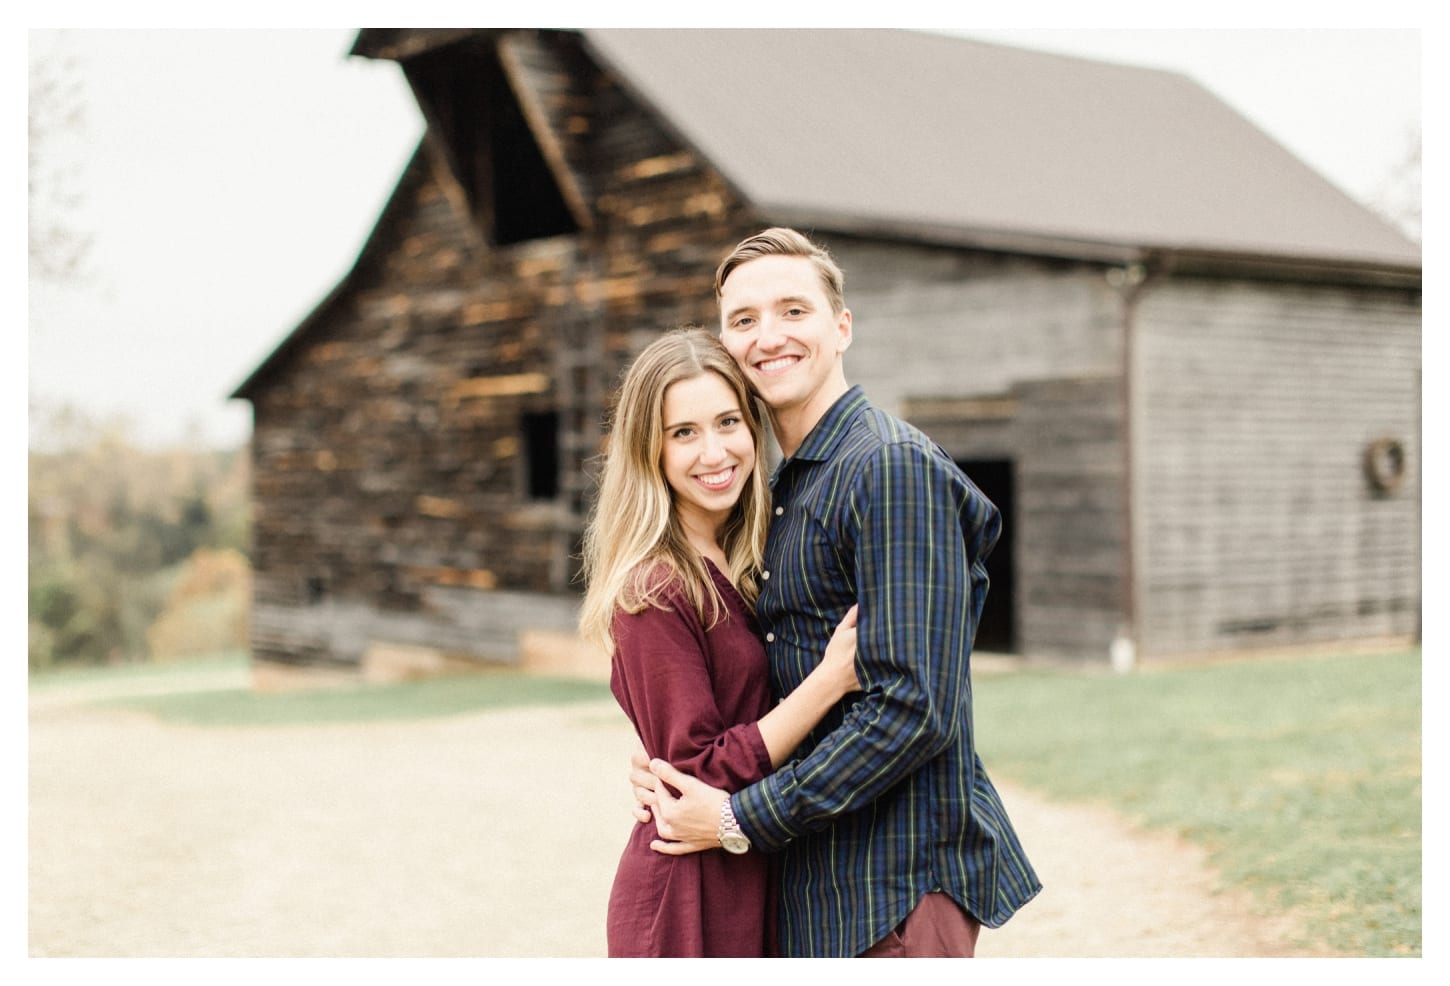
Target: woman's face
(708, 452)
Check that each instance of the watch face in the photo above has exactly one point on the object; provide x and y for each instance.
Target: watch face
(734, 842)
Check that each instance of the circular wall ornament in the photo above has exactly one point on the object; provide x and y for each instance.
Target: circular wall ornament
(1384, 464)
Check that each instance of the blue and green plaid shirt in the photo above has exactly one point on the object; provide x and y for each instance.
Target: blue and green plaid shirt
(887, 799)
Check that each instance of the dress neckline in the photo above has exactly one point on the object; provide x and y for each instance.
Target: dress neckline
(721, 579)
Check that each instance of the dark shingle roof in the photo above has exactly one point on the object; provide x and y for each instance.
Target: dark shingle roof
(917, 133)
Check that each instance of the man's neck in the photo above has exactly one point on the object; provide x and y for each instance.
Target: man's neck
(793, 424)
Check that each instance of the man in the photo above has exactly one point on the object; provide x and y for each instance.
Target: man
(892, 839)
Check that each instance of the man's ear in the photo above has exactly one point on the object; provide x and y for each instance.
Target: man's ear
(843, 326)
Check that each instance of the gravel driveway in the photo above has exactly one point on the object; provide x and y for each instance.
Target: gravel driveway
(493, 834)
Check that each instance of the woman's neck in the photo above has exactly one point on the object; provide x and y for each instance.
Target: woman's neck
(707, 542)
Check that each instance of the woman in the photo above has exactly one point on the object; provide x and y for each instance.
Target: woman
(673, 557)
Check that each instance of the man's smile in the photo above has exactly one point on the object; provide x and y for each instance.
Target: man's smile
(777, 364)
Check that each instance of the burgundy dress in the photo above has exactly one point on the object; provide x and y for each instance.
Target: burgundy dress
(694, 696)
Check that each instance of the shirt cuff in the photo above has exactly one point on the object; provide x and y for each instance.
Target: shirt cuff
(755, 813)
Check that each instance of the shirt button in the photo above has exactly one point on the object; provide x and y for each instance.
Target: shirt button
(770, 637)
(779, 511)
(765, 575)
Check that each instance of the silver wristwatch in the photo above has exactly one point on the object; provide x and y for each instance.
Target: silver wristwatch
(731, 838)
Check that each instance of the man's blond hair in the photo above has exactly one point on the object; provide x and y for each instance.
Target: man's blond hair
(779, 241)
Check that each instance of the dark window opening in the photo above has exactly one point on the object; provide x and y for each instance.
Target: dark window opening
(490, 147)
(527, 204)
(316, 589)
(997, 631)
(541, 454)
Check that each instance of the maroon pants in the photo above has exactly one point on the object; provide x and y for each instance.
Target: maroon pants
(937, 928)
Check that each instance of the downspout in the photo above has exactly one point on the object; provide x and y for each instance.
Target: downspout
(1130, 282)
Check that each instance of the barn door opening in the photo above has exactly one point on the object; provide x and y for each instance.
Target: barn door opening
(998, 629)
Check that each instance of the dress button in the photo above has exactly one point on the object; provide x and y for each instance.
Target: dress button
(765, 575)
(770, 637)
(779, 511)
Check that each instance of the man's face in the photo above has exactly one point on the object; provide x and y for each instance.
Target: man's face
(776, 322)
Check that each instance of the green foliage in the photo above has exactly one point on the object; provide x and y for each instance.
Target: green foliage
(111, 528)
(207, 607)
(1301, 778)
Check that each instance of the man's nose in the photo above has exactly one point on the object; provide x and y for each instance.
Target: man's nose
(769, 334)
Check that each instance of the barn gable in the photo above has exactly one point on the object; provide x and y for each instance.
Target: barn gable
(422, 440)
(495, 148)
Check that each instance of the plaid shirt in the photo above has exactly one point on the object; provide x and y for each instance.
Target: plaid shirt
(888, 800)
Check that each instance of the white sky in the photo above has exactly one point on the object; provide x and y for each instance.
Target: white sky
(230, 176)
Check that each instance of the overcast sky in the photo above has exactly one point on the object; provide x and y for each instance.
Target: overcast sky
(228, 178)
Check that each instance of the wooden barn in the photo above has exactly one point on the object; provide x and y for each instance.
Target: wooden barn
(1183, 364)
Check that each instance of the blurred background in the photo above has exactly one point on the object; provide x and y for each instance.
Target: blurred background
(163, 164)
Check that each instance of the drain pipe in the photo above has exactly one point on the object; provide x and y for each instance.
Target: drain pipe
(1130, 281)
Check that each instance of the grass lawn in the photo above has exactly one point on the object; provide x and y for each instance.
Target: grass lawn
(1302, 778)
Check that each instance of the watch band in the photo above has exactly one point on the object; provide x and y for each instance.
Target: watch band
(732, 840)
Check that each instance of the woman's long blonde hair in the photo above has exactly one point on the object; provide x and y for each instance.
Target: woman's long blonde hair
(634, 536)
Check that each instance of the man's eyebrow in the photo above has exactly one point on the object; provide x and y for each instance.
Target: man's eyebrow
(792, 299)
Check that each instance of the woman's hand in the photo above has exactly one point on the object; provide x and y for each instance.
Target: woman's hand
(840, 656)
(642, 785)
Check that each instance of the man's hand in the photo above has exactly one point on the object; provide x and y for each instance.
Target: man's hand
(689, 823)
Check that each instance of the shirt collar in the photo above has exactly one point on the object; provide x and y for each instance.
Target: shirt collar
(822, 440)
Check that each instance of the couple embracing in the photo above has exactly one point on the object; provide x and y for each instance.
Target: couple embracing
(794, 655)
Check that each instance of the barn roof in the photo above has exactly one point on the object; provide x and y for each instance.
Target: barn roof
(928, 137)
(912, 133)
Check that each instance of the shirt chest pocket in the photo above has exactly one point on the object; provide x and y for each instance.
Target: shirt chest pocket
(809, 576)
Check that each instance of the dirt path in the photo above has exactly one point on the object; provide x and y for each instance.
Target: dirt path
(493, 834)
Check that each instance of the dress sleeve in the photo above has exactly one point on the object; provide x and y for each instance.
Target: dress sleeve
(662, 679)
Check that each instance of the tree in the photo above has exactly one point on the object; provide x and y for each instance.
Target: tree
(56, 110)
(1399, 196)
(122, 537)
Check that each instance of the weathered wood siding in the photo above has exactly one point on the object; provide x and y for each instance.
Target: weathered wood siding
(1013, 359)
(1068, 515)
(1255, 525)
(391, 489)
(933, 322)
(1073, 588)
